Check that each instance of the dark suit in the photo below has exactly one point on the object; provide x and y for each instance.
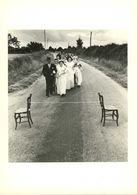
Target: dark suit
(49, 73)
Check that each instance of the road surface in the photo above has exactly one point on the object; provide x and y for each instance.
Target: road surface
(68, 129)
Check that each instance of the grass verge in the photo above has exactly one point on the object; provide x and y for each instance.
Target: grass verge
(25, 82)
(111, 68)
(24, 70)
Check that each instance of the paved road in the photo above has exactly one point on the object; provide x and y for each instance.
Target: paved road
(68, 129)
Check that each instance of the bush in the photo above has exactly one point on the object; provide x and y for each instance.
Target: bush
(109, 52)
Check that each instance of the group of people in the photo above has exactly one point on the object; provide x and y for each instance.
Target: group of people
(63, 74)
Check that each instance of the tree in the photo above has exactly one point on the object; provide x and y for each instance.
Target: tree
(79, 43)
(51, 49)
(34, 46)
(60, 49)
(13, 41)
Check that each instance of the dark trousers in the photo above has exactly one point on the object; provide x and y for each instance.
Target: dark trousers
(49, 85)
(54, 85)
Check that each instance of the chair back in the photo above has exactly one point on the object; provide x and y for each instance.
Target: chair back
(101, 100)
(29, 102)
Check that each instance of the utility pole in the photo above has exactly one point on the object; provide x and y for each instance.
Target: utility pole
(90, 38)
(45, 39)
(47, 43)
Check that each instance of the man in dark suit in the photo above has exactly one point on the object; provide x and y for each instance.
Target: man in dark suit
(49, 71)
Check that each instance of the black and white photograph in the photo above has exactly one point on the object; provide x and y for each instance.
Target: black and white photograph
(67, 95)
(68, 74)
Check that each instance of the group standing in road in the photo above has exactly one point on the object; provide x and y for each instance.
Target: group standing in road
(62, 75)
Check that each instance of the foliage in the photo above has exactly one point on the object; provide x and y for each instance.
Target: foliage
(14, 46)
(21, 66)
(51, 49)
(108, 52)
(13, 41)
(34, 46)
(79, 43)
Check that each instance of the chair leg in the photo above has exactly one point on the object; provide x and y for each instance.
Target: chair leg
(104, 116)
(113, 115)
(117, 117)
(28, 119)
(15, 121)
(19, 118)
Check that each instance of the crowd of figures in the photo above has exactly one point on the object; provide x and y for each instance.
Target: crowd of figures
(62, 75)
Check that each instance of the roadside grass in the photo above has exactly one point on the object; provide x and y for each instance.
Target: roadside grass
(24, 82)
(114, 69)
(24, 70)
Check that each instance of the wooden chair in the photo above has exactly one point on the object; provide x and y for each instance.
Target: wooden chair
(108, 111)
(24, 113)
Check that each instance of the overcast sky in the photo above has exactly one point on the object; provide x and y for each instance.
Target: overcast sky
(61, 38)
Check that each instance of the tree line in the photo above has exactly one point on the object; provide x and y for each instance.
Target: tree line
(110, 51)
(14, 46)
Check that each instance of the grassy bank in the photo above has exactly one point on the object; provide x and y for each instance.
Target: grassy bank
(110, 59)
(23, 70)
(111, 68)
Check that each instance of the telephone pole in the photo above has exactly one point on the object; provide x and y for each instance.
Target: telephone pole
(47, 43)
(45, 37)
(90, 38)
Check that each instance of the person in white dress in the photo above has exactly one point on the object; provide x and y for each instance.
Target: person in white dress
(70, 73)
(62, 77)
(75, 59)
(78, 72)
(56, 76)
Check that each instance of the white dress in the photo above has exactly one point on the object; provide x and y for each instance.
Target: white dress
(62, 76)
(78, 74)
(57, 78)
(70, 75)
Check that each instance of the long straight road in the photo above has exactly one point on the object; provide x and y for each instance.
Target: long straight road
(68, 129)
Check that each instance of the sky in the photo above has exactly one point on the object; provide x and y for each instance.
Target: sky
(63, 38)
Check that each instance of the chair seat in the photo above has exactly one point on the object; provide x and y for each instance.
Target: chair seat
(110, 107)
(21, 110)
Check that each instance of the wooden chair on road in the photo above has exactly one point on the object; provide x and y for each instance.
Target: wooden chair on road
(24, 113)
(108, 111)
